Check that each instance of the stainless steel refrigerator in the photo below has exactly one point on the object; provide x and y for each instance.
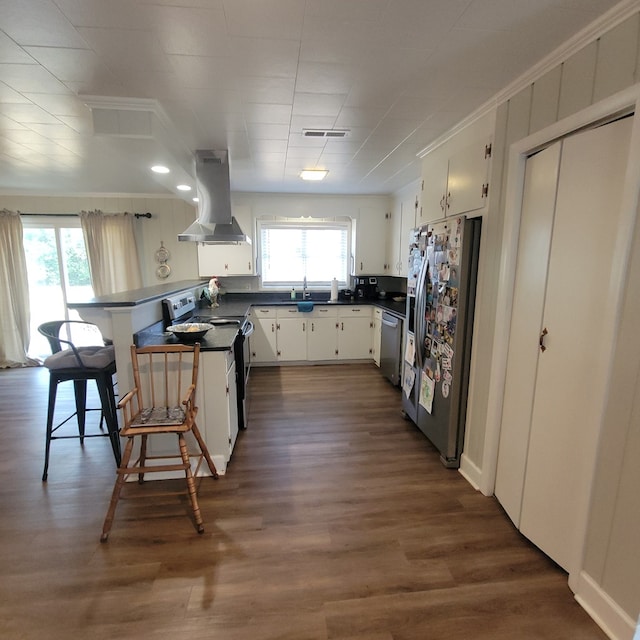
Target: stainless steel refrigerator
(441, 291)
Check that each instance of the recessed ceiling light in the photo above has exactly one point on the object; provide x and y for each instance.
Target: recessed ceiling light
(183, 187)
(314, 174)
(159, 168)
(196, 199)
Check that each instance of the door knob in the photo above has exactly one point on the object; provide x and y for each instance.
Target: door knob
(542, 337)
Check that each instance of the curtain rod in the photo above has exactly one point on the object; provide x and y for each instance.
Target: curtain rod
(75, 215)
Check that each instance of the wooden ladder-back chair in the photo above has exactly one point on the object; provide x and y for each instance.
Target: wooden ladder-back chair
(162, 401)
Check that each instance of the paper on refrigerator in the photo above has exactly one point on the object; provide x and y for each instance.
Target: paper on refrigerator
(427, 390)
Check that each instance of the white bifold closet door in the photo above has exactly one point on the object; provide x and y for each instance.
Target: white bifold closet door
(560, 338)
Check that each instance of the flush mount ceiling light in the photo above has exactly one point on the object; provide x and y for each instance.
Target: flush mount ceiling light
(159, 168)
(183, 187)
(196, 199)
(314, 174)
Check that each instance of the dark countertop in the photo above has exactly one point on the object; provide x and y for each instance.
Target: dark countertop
(137, 296)
(219, 338)
(239, 304)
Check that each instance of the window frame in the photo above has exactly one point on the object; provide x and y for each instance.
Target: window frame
(339, 223)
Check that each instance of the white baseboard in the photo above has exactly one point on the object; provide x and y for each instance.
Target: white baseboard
(470, 472)
(603, 609)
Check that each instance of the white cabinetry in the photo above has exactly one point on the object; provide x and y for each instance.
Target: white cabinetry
(399, 222)
(368, 242)
(354, 332)
(217, 399)
(322, 334)
(229, 260)
(377, 334)
(263, 340)
(291, 334)
(455, 183)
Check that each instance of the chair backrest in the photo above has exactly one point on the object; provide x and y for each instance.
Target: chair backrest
(166, 375)
(75, 343)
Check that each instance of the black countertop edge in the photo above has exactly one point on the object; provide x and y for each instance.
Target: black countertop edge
(138, 296)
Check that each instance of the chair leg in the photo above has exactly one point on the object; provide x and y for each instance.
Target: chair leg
(205, 450)
(108, 404)
(143, 457)
(80, 392)
(53, 388)
(115, 496)
(191, 485)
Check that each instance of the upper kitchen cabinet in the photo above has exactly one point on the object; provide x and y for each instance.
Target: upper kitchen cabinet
(229, 260)
(368, 242)
(400, 221)
(455, 183)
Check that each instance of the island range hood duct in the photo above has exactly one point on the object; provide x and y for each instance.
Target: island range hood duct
(215, 224)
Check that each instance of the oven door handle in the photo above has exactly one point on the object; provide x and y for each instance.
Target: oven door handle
(247, 329)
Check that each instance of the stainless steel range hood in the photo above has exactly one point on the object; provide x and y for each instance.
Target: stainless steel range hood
(215, 224)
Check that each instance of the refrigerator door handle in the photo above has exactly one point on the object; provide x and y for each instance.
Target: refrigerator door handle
(420, 311)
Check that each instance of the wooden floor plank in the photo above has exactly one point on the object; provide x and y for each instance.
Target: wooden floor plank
(335, 521)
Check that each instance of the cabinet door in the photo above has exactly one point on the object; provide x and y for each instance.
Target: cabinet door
(229, 260)
(355, 333)
(292, 339)
(322, 339)
(434, 175)
(263, 340)
(393, 233)
(377, 335)
(468, 171)
(369, 242)
(231, 408)
(410, 213)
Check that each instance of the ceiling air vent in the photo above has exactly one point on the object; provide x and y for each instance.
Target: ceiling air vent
(325, 133)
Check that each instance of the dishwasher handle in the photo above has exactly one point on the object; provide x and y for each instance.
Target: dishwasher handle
(390, 321)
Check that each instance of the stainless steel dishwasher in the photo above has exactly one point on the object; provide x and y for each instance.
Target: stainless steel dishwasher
(390, 347)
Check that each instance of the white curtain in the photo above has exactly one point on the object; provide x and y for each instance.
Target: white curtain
(14, 293)
(112, 252)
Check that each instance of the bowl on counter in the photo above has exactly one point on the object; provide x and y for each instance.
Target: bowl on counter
(190, 331)
(399, 298)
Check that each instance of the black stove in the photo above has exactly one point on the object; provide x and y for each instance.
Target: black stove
(183, 308)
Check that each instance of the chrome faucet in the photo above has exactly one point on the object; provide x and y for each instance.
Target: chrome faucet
(305, 293)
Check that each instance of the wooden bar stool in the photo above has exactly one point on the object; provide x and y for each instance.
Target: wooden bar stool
(162, 401)
(79, 353)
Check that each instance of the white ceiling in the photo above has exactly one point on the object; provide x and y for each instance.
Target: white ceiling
(249, 76)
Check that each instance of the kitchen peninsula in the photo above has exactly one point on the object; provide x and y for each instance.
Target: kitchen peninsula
(121, 316)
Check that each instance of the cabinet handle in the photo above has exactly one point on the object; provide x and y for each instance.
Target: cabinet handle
(273, 328)
(292, 311)
(278, 326)
(226, 267)
(544, 333)
(342, 326)
(313, 327)
(304, 327)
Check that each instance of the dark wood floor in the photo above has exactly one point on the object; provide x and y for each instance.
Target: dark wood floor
(335, 520)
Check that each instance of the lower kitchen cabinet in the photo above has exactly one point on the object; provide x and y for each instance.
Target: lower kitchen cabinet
(263, 341)
(217, 400)
(284, 334)
(377, 335)
(322, 334)
(291, 338)
(355, 333)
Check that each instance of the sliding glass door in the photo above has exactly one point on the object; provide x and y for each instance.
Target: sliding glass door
(58, 271)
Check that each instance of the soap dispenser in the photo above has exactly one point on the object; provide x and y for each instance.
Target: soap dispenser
(293, 293)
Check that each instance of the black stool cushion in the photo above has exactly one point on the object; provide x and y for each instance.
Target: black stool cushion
(92, 358)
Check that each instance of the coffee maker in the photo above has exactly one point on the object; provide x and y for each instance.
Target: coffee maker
(365, 288)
